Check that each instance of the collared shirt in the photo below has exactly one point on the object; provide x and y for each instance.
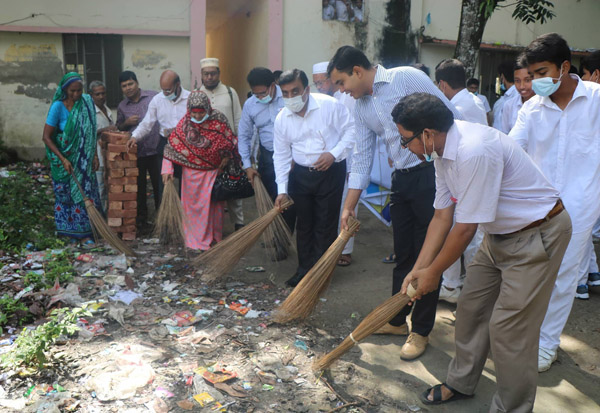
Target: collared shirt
(510, 110)
(341, 10)
(373, 117)
(565, 145)
(350, 103)
(328, 12)
(127, 108)
(500, 104)
(102, 121)
(485, 102)
(262, 117)
(470, 107)
(164, 111)
(491, 179)
(325, 127)
(226, 104)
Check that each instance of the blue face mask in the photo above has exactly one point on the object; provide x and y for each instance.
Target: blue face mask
(428, 157)
(475, 93)
(199, 121)
(502, 87)
(172, 97)
(546, 86)
(266, 100)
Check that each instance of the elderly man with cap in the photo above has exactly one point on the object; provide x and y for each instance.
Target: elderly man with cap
(225, 99)
(326, 86)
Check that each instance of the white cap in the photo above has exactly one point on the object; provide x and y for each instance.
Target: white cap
(319, 68)
(209, 62)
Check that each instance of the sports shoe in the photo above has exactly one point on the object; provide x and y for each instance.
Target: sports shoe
(545, 358)
(415, 346)
(449, 295)
(594, 279)
(393, 330)
(582, 292)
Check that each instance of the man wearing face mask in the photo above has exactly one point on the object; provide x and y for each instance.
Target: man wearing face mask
(260, 111)
(316, 133)
(560, 129)
(507, 86)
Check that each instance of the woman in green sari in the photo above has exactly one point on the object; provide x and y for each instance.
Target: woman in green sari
(70, 138)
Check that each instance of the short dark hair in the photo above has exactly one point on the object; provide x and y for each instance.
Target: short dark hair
(345, 58)
(451, 71)
(591, 62)
(277, 73)
(473, 81)
(127, 75)
(520, 63)
(421, 67)
(422, 110)
(506, 69)
(549, 47)
(260, 76)
(291, 75)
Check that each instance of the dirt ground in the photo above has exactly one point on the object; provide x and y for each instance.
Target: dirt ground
(272, 362)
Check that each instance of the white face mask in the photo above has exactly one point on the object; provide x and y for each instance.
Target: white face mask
(434, 155)
(296, 103)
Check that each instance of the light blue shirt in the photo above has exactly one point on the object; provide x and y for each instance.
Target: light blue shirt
(261, 116)
(58, 115)
(373, 119)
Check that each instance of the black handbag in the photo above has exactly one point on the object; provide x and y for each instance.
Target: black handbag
(232, 183)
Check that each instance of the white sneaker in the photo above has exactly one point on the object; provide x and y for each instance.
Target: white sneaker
(545, 359)
(449, 295)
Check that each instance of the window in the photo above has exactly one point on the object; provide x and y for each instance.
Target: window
(343, 10)
(96, 57)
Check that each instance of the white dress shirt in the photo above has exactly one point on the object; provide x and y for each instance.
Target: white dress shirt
(510, 110)
(470, 107)
(166, 112)
(485, 102)
(491, 180)
(325, 127)
(565, 145)
(102, 121)
(226, 104)
(500, 104)
(341, 10)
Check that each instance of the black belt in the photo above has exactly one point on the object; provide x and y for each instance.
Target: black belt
(414, 168)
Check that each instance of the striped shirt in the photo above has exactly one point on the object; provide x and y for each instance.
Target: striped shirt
(373, 119)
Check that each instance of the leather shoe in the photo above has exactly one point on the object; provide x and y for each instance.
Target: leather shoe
(292, 282)
(415, 346)
(393, 330)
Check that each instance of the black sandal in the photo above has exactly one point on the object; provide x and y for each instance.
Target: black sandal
(437, 395)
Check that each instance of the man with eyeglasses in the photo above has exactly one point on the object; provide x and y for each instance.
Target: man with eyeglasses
(377, 90)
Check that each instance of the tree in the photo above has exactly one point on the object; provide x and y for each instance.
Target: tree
(475, 14)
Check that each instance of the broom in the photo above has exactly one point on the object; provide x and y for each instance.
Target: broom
(169, 227)
(374, 321)
(220, 259)
(277, 237)
(302, 301)
(99, 227)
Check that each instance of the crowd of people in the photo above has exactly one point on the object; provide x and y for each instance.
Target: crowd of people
(504, 193)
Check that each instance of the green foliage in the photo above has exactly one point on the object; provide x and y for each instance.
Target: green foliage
(9, 306)
(56, 266)
(527, 11)
(31, 345)
(26, 213)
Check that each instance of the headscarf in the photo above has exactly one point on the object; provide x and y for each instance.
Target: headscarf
(201, 146)
(77, 142)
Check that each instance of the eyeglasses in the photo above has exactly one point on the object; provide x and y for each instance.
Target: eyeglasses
(405, 141)
(261, 95)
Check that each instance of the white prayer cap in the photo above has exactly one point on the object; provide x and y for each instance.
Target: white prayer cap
(209, 62)
(319, 68)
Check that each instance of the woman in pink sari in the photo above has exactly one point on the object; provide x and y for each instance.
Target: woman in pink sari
(201, 143)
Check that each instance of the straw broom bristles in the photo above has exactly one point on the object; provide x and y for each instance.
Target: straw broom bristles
(277, 237)
(100, 227)
(220, 259)
(373, 322)
(169, 227)
(303, 299)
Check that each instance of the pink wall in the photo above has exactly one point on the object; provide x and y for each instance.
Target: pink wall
(197, 39)
(275, 34)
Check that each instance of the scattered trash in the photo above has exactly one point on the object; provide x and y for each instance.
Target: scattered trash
(267, 387)
(252, 314)
(255, 269)
(162, 392)
(301, 345)
(126, 296)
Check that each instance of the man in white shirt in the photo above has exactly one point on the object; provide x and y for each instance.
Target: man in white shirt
(560, 129)
(104, 122)
(225, 99)
(328, 10)
(473, 87)
(166, 108)
(483, 178)
(512, 106)
(325, 86)
(313, 135)
(505, 70)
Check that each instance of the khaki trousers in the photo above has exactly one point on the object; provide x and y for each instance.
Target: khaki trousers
(502, 306)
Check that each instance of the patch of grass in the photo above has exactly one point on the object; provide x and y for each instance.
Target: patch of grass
(9, 308)
(56, 266)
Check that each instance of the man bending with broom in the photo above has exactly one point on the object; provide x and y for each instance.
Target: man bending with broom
(484, 178)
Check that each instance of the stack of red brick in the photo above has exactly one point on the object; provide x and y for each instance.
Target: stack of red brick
(121, 183)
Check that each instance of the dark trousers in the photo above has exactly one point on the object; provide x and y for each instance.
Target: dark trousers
(267, 176)
(147, 165)
(317, 197)
(176, 168)
(413, 193)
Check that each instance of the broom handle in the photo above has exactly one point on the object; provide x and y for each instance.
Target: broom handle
(85, 198)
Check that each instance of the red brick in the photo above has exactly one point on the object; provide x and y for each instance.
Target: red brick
(124, 196)
(117, 138)
(115, 222)
(128, 236)
(117, 148)
(122, 213)
(115, 189)
(114, 156)
(128, 221)
(116, 173)
(131, 171)
(131, 188)
(125, 228)
(126, 180)
(122, 164)
(130, 156)
(115, 205)
(130, 205)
